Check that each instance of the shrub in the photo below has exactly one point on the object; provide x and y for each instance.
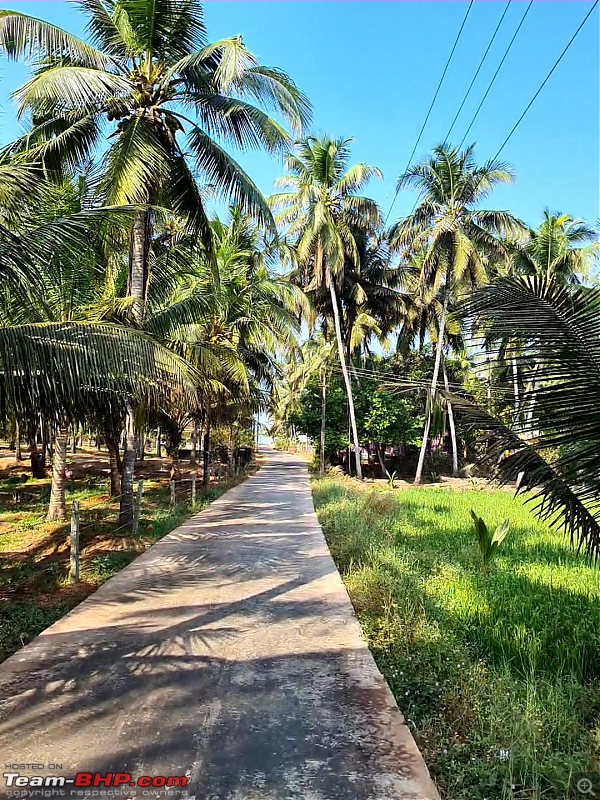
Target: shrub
(488, 542)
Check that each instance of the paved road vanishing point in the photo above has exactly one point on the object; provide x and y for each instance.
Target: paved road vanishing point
(229, 652)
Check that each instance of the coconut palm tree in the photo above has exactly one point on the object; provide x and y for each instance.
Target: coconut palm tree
(145, 66)
(323, 212)
(561, 248)
(453, 233)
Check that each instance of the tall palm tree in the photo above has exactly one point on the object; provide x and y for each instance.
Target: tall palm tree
(561, 248)
(145, 66)
(453, 233)
(323, 212)
(369, 293)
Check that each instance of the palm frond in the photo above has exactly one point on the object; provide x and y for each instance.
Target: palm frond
(22, 36)
(67, 368)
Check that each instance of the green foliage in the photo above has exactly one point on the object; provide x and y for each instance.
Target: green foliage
(498, 675)
(127, 79)
(388, 418)
(391, 478)
(307, 416)
(383, 415)
(558, 328)
(488, 542)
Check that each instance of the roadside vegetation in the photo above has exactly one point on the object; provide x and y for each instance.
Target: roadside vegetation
(496, 674)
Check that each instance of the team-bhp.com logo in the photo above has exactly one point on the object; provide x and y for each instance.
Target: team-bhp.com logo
(93, 779)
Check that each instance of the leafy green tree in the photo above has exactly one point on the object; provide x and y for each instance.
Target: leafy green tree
(389, 419)
(147, 62)
(453, 234)
(562, 250)
(307, 415)
(59, 357)
(230, 318)
(303, 364)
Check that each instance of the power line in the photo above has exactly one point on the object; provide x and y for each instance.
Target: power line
(547, 78)
(506, 52)
(483, 58)
(408, 383)
(437, 91)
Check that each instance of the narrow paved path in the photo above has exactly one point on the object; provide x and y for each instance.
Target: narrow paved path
(228, 652)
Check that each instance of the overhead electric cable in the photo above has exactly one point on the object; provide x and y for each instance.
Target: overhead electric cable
(547, 78)
(483, 58)
(437, 91)
(495, 75)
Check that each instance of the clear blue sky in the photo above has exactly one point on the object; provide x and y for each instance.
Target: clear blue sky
(371, 69)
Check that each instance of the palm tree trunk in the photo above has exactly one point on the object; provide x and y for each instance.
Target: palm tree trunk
(46, 443)
(194, 456)
(451, 425)
(381, 458)
(515, 372)
(158, 443)
(114, 460)
(141, 446)
(126, 505)
(206, 457)
(323, 412)
(434, 381)
(340, 344)
(18, 453)
(528, 402)
(138, 265)
(488, 390)
(36, 459)
(136, 289)
(57, 508)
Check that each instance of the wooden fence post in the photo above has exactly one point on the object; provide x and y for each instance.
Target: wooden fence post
(74, 560)
(172, 493)
(138, 506)
(193, 490)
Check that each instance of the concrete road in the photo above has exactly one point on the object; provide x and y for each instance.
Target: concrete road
(228, 653)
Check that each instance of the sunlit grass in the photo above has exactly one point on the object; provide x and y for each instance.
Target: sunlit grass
(497, 674)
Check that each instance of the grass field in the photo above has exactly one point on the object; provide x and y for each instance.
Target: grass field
(498, 674)
(34, 555)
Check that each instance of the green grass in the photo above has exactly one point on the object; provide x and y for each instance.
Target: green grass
(496, 674)
(34, 555)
